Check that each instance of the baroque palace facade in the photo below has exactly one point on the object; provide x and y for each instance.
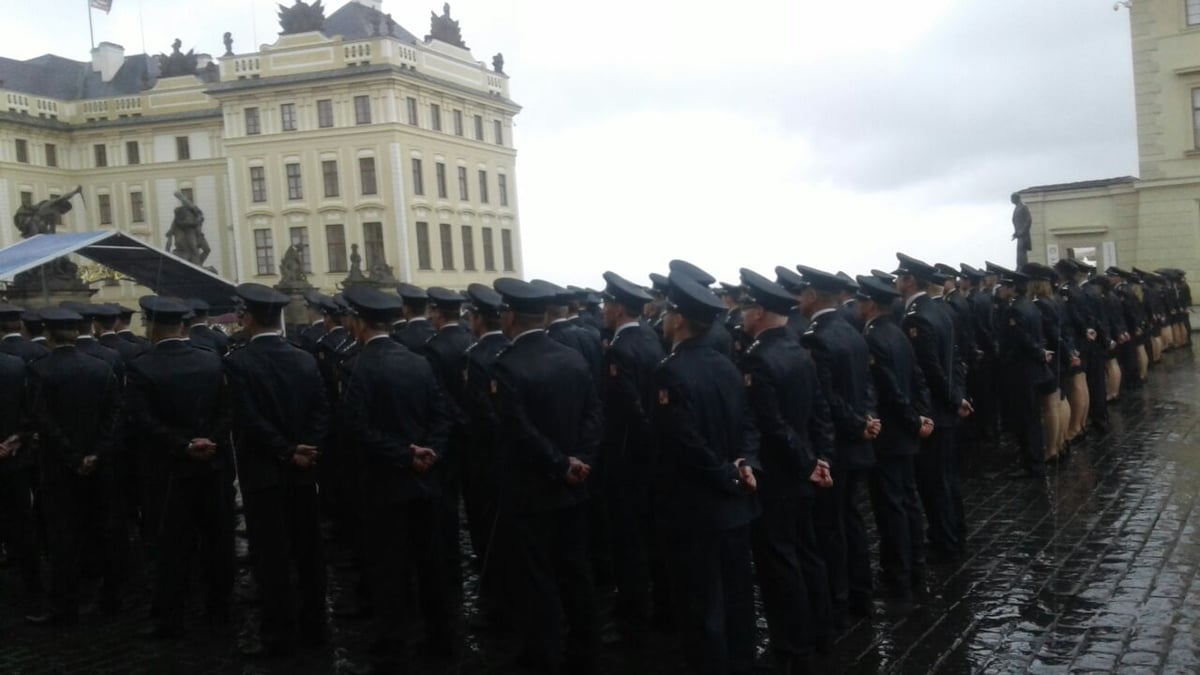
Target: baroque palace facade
(1152, 220)
(356, 141)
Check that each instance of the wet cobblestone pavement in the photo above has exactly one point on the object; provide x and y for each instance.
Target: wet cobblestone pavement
(1092, 570)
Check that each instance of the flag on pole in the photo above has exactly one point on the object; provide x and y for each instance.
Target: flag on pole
(102, 5)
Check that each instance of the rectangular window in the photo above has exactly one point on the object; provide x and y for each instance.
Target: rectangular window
(299, 239)
(258, 184)
(188, 194)
(483, 191)
(1196, 114)
(137, 207)
(264, 252)
(373, 243)
(423, 261)
(458, 123)
(105, 204)
(447, 246)
(412, 112)
(133, 152)
(101, 153)
(468, 241)
(498, 132)
(435, 117)
(418, 177)
(26, 198)
(335, 247)
(462, 184)
(183, 150)
(503, 189)
(329, 173)
(1193, 12)
(325, 113)
(479, 127)
(506, 249)
(362, 109)
(22, 151)
(253, 123)
(51, 154)
(489, 250)
(295, 187)
(366, 175)
(441, 180)
(287, 116)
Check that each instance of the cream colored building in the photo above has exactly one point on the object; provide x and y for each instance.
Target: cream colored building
(1153, 220)
(359, 135)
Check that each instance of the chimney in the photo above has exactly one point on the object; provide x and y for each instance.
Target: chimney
(376, 5)
(107, 59)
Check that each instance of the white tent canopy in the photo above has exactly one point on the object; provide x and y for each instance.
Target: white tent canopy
(153, 268)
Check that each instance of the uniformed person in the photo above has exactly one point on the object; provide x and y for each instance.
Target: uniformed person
(930, 330)
(1132, 352)
(655, 311)
(848, 301)
(480, 488)
(704, 485)
(840, 353)
(17, 453)
(1023, 368)
(180, 403)
(627, 391)
(446, 352)
(34, 327)
(314, 302)
(981, 361)
(396, 415)
(416, 329)
(793, 283)
(732, 319)
(1062, 357)
(124, 328)
(13, 341)
(796, 448)
(200, 333)
(77, 437)
(106, 319)
(903, 405)
(279, 426)
(718, 336)
(1086, 303)
(550, 429)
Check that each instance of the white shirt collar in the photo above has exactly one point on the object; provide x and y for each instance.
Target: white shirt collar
(623, 327)
(108, 332)
(491, 332)
(559, 321)
(529, 332)
(821, 312)
(908, 303)
(85, 337)
(8, 335)
(170, 339)
(270, 333)
(377, 337)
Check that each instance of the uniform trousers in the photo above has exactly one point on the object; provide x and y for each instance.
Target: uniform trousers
(16, 525)
(1024, 419)
(898, 519)
(791, 574)
(1094, 368)
(858, 557)
(713, 591)
(195, 517)
(932, 470)
(627, 499)
(80, 512)
(829, 524)
(407, 571)
(283, 523)
(551, 576)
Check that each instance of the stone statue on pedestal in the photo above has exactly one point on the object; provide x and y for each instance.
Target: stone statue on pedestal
(291, 266)
(1022, 223)
(58, 275)
(177, 63)
(301, 17)
(186, 234)
(228, 44)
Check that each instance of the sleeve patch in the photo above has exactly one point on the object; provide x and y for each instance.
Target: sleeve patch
(913, 332)
(748, 379)
(612, 369)
(494, 387)
(664, 398)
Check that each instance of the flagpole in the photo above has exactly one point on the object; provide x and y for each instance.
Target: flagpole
(91, 30)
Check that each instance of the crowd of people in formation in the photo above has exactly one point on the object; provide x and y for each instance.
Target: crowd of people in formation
(680, 442)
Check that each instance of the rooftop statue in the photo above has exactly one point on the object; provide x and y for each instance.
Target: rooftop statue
(444, 28)
(177, 63)
(301, 17)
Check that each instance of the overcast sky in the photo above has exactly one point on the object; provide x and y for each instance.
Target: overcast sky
(752, 134)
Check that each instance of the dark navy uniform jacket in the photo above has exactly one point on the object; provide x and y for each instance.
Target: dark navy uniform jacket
(901, 394)
(703, 424)
(790, 412)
